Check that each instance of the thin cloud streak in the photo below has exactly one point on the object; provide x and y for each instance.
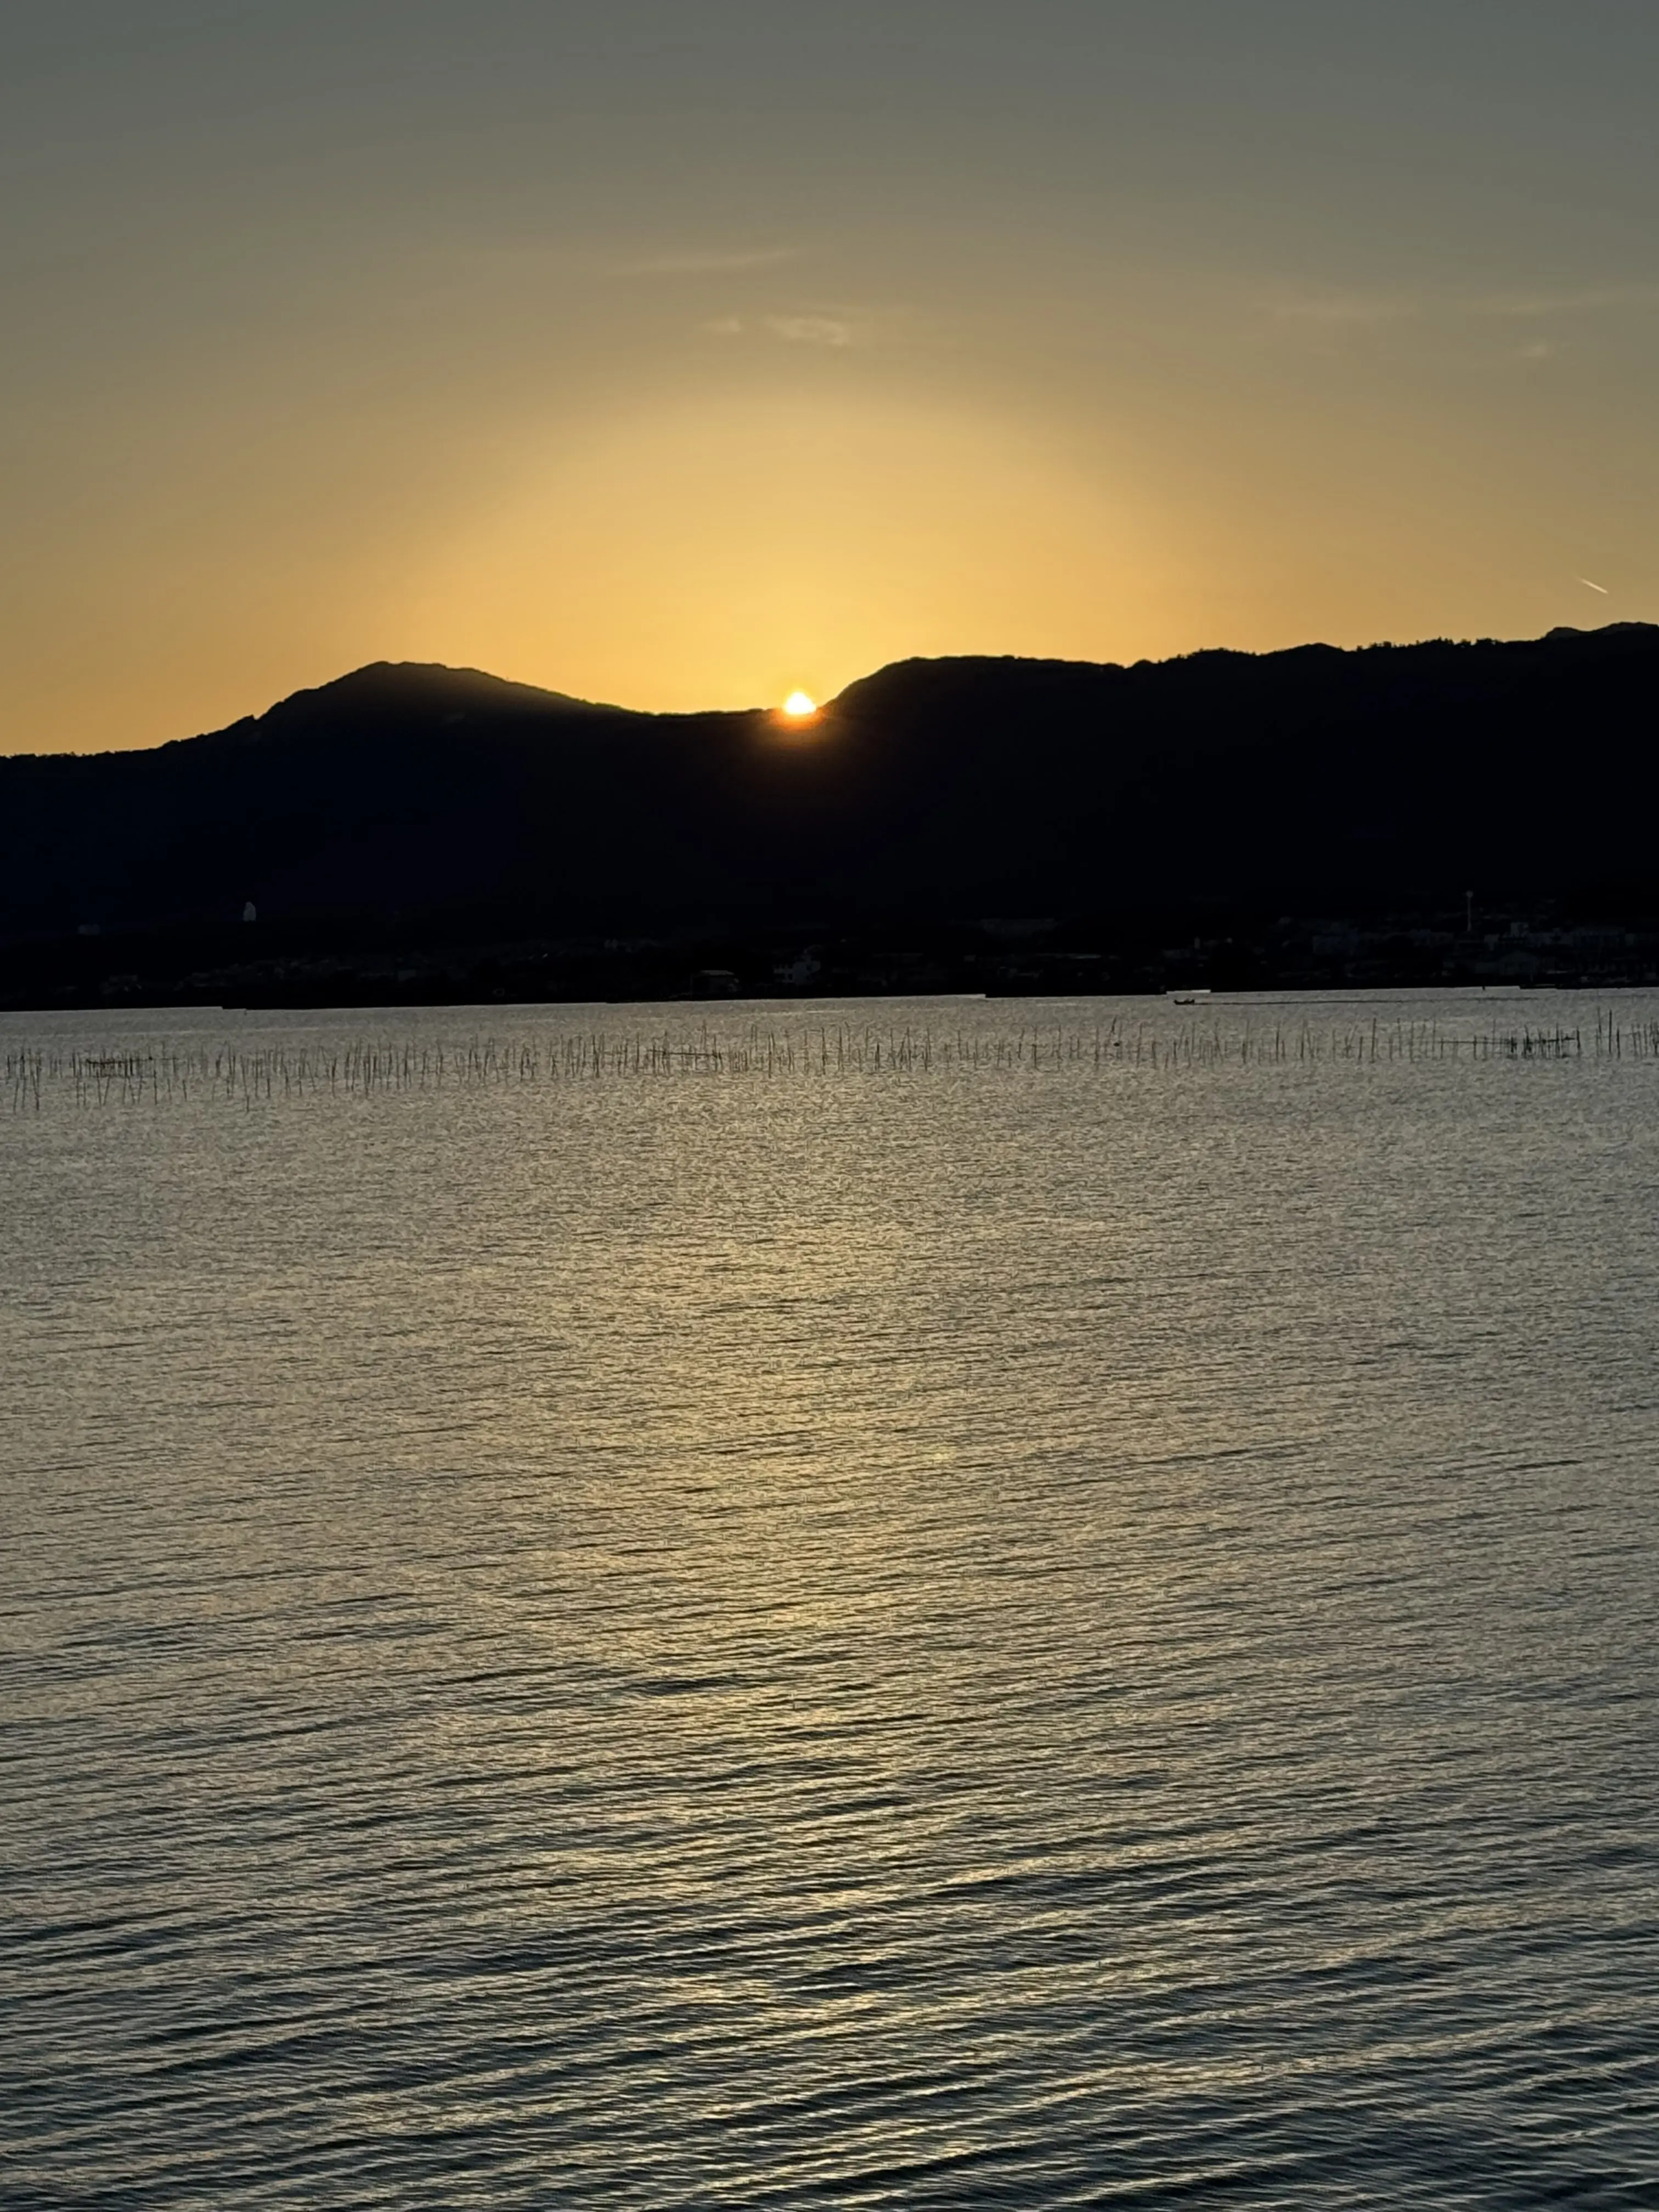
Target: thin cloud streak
(791, 330)
(1360, 309)
(711, 264)
(1528, 306)
(810, 330)
(1347, 308)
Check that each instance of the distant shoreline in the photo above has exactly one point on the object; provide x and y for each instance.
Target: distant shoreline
(293, 968)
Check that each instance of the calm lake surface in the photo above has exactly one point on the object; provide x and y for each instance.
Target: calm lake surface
(683, 1618)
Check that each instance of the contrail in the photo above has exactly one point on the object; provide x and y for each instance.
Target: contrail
(1602, 588)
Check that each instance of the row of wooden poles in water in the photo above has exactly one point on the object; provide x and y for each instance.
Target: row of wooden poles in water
(362, 1068)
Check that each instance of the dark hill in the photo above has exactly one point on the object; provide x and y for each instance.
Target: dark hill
(1348, 783)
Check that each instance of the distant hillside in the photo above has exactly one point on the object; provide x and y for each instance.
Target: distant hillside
(1311, 781)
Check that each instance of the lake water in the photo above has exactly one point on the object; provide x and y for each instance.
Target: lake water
(871, 1606)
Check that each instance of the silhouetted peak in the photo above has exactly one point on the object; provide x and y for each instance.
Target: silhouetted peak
(403, 696)
(985, 676)
(961, 674)
(419, 686)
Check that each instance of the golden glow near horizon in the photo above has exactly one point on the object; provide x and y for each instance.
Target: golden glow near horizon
(798, 707)
(1097, 334)
(636, 556)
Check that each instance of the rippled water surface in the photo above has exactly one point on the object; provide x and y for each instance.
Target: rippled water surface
(757, 1629)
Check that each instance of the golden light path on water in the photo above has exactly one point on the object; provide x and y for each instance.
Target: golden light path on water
(676, 1618)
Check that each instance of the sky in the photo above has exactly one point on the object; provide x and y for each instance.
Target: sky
(682, 353)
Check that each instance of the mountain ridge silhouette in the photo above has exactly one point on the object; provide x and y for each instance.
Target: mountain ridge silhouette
(1318, 779)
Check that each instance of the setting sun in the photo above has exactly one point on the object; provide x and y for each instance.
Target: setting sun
(798, 705)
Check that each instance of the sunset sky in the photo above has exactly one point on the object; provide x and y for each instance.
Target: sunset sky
(682, 352)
